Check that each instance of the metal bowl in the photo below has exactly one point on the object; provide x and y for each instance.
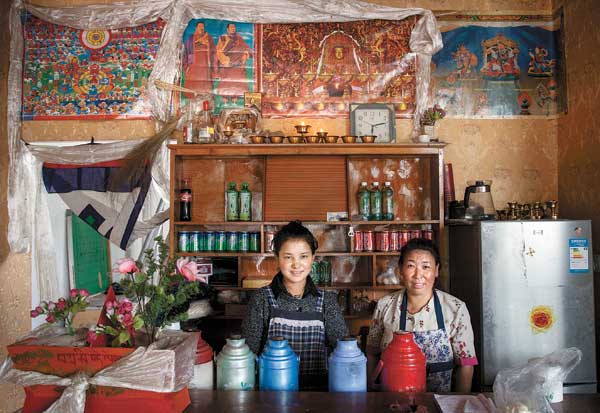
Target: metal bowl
(295, 139)
(257, 139)
(349, 139)
(276, 139)
(331, 139)
(368, 138)
(312, 139)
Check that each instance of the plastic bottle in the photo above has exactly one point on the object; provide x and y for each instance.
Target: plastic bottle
(387, 194)
(375, 202)
(232, 199)
(185, 201)
(245, 203)
(205, 127)
(364, 201)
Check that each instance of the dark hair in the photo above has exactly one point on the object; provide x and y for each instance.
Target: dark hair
(294, 230)
(423, 244)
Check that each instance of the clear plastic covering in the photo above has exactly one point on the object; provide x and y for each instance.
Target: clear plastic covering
(29, 227)
(164, 366)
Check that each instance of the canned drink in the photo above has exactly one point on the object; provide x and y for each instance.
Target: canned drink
(183, 241)
(382, 241)
(325, 272)
(220, 241)
(315, 272)
(231, 241)
(394, 241)
(415, 233)
(368, 241)
(243, 241)
(255, 241)
(210, 241)
(403, 237)
(428, 234)
(269, 235)
(358, 241)
(194, 245)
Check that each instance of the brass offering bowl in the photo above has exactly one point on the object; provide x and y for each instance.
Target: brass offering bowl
(322, 134)
(331, 139)
(302, 128)
(276, 139)
(312, 139)
(349, 139)
(257, 139)
(368, 138)
(295, 139)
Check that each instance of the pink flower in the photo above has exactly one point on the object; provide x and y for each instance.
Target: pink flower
(39, 310)
(125, 306)
(51, 306)
(127, 266)
(73, 293)
(187, 268)
(33, 313)
(91, 336)
(84, 293)
(50, 318)
(110, 305)
(61, 305)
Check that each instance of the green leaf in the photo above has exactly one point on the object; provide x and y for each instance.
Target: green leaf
(124, 336)
(140, 278)
(111, 331)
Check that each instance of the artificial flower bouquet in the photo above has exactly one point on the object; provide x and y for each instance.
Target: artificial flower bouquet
(432, 115)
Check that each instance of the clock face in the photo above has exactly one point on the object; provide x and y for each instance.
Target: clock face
(372, 119)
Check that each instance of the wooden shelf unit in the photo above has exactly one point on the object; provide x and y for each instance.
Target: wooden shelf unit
(305, 181)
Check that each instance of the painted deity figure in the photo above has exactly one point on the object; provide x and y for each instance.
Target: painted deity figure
(201, 60)
(339, 63)
(539, 64)
(232, 54)
(465, 60)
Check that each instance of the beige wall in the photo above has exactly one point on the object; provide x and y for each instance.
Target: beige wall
(520, 155)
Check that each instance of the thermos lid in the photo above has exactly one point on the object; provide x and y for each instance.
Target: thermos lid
(204, 353)
(277, 338)
(348, 338)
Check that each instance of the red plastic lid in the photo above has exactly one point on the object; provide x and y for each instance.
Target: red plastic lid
(205, 105)
(204, 353)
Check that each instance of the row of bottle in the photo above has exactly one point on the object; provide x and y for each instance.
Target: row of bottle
(238, 203)
(376, 204)
(402, 366)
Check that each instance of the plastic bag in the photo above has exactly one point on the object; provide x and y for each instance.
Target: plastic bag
(528, 388)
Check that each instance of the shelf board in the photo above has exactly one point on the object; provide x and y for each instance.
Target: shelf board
(333, 287)
(221, 254)
(240, 317)
(220, 223)
(280, 223)
(270, 254)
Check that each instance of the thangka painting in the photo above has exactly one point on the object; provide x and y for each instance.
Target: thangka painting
(317, 69)
(219, 58)
(86, 74)
(495, 66)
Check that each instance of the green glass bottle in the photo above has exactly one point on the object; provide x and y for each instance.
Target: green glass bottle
(375, 202)
(245, 203)
(364, 201)
(387, 195)
(232, 197)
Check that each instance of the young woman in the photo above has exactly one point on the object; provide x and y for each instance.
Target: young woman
(439, 321)
(293, 307)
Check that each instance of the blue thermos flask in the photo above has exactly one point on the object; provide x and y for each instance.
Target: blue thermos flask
(278, 366)
(347, 367)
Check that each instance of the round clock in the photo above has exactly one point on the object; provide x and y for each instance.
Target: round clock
(376, 119)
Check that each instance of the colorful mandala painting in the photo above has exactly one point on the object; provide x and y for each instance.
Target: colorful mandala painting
(94, 74)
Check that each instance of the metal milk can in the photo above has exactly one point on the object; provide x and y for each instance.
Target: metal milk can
(347, 367)
(278, 366)
(235, 365)
(402, 365)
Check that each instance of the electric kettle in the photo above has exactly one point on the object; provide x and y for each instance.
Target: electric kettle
(478, 201)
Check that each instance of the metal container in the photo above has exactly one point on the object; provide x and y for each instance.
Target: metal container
(368, 241)
(209, 241)
(231, 241)
(382, 241)
(255, 241)
(347, 367)
(358, 241)
(394, 241)
(235, 365)
(220, 241)
(278, 366)
(183, 241)
(325, 272)
(243, 241)
(195, 241)
(269, 235)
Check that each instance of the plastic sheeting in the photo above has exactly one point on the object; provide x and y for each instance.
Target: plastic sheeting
(30, 227)
(164, 366)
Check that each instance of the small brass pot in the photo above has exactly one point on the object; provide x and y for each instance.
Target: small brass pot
(368, 138)
(331, 139)
(276, 139)
(295, 139)
(257, 139)
(349, 139)
(312, 139)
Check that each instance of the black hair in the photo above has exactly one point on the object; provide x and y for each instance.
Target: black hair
(423, 244)
(294, 230)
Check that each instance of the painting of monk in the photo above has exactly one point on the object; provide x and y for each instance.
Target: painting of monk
(232, 54)
(200, 59)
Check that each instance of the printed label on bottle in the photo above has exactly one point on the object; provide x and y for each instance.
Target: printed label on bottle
(245, 200)
(186, 197)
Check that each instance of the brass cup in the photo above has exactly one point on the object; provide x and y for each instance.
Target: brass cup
(312, 139)
(322, 135)
(295, 139)
(331, 139)
(257, 139)
(276, 139)
(368, 138)
(349, 139)
(228, 133)
(302, 128)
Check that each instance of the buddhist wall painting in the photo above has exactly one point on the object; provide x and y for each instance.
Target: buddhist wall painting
(86, 74)
(498, 66)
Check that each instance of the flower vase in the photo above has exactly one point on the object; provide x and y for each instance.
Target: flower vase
(429, 130)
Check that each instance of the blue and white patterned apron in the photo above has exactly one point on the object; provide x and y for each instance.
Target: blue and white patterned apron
(436, 346)
(305, 331)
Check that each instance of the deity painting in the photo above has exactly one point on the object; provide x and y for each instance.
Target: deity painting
(219, 59)
(488, 61)
(317, 69)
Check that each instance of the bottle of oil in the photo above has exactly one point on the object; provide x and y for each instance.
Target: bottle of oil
(387, 195)
(232, 198)
(375, 198)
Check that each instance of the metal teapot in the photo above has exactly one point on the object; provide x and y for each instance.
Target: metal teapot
(478, 201)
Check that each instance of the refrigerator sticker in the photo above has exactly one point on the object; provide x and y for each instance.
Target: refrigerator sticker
(578, 255)
(541, 319)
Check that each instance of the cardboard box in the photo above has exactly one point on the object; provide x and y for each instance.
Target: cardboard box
(256, 282)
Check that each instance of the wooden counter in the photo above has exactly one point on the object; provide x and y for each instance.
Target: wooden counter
(307, 402)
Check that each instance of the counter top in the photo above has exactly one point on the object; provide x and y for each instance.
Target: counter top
(307, 402)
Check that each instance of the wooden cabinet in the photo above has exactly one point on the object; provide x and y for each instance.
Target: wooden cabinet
(306, 182)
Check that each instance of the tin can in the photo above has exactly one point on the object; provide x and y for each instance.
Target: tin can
(315, 272)
(394, 241)
(209, 241)
(220, 241)
(382, 241)
(358, 241)
(269, 235)
(368, 241)
(415, 233)
(255, 241)
(325, 272)
(183, 241)
(428, 234)
(231, 241)
(403, 237)
(194, 245)
(243, 241)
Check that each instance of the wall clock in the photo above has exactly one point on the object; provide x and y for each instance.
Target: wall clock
(373, 119)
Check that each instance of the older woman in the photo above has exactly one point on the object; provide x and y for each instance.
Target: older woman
(439, 321)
